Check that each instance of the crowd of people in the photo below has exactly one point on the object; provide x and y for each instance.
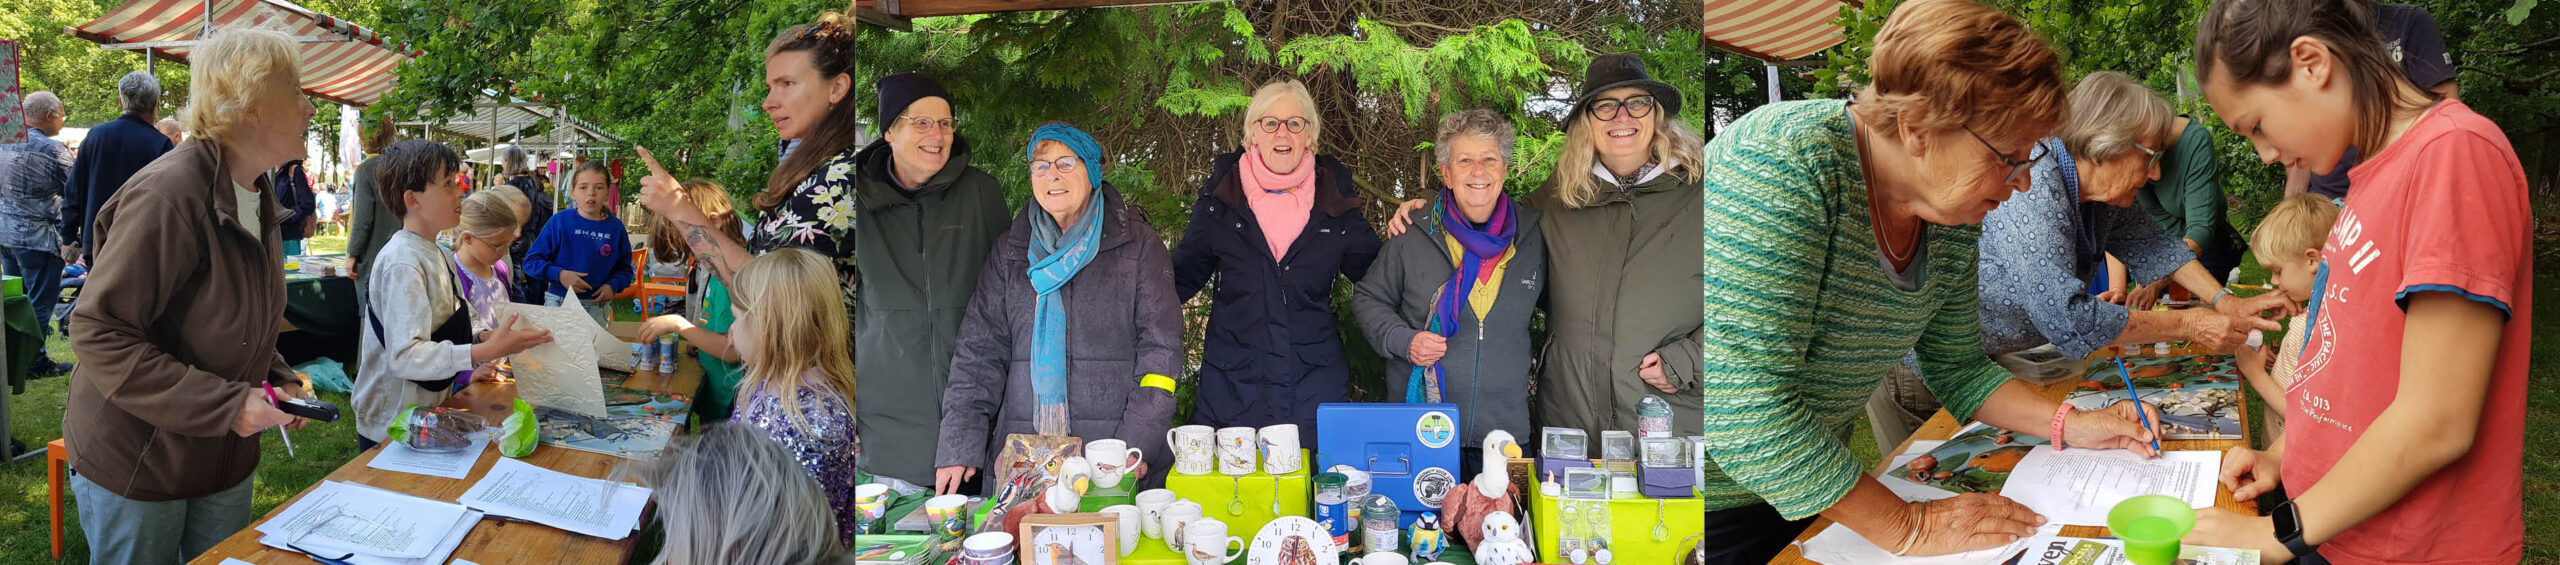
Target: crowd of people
(1843, 254)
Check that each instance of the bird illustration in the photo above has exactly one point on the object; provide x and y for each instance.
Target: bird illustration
(1502, 543)
(1297, 551)
(1059, 555)
(1491, 491)
(1428, 540)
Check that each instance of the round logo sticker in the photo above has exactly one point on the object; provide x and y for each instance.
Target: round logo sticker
(1435, 430)
(1432, 486)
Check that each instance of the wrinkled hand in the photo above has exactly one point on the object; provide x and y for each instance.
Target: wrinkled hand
(1652, 373)
(663, 325)
(1401, 221)
(2118, 426)
(2223, 333)
(2250, 473)
(1969, 522)
(2216, 527)
(2144, 297)
(1426, 348)
(2274, 301)
(575, 281)
(947, 480)
(256, 415)
(662, 195)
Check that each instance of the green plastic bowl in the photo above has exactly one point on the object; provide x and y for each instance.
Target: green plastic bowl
(2151, 526)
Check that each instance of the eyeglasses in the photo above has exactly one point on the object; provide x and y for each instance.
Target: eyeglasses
(1272, 125)
(1637, 106)
(334, 513)
(2154, 157)
(2016, 167)
(1063, 165)
(928, 125)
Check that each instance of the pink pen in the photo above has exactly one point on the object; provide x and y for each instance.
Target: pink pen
(271, 399)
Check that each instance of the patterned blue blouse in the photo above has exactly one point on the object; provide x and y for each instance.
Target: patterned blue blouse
(2043, 248)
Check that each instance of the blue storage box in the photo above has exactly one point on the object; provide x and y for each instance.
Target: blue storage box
(1409, 450)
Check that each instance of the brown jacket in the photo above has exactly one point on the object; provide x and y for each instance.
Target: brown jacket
(176, 326)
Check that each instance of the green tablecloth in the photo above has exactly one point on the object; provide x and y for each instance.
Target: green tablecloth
(326, 318)
(25, 345)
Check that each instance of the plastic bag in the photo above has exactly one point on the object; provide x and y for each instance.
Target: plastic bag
(437, 429)
(326, 375)
(520, 433)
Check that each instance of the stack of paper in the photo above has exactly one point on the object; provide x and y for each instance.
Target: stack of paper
(396, 456)
(599, 508)
(377, 526)
(2079, 486)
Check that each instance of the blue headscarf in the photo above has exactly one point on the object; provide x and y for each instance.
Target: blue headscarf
(1057, 253)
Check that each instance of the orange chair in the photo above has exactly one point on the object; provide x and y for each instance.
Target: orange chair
(649, 286)
(57, 460)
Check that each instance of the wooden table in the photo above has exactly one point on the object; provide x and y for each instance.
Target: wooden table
(1944, 425)
(491, 541)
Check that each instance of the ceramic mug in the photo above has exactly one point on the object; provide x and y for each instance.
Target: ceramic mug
(1151, 505)
(1280, 450)
(1176, 517)
(1384, 558)
(991, 548)
(1205, 542)
(1112, 460)
(1192, 447)
(1235, 451)
(946, 510)
(1128, 517)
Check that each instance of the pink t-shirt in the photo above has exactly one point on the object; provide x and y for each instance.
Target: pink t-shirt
(2443, 209)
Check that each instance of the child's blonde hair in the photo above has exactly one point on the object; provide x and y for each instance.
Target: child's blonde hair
(668, 246)
(2300, 222)
(796, 307)
(487, 213)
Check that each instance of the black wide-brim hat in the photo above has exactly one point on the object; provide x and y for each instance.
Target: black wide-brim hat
(1619, 71)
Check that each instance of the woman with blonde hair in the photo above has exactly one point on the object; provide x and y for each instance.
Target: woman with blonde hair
(1838, 240)
(177, 336)
(1276, 224)
(732, 495)
(798, 379)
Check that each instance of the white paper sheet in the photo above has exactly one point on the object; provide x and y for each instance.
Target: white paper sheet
(1837, 545)
(2079, 486)
(443, 549)
(2057, 550)
(594, 507)
(561, 374)
(338, 515)
(398, 457)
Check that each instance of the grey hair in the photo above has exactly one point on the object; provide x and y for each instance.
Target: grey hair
(2110, 112)
(43, 103)
(732, 495)
(517, 160)
(139, 92)
(1477, 122)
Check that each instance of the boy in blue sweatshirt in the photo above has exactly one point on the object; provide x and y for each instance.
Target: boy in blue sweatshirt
(588, 253)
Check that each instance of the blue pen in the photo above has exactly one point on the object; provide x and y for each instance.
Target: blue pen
(2138, 412)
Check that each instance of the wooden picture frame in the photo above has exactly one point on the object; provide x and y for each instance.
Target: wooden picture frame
(1035, 551)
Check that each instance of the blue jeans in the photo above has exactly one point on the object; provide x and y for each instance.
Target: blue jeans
(42, 271)
(124, 530)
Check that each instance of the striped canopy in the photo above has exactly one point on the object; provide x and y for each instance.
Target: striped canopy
(1774, 30)
(341, 62)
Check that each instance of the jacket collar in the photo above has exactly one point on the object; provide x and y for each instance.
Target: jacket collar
(878, 189)
(1335, 194)
(207, 159)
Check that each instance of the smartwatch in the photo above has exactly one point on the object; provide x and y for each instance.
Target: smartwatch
(2289, 530)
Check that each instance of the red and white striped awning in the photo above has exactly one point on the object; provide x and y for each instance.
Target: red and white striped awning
(1774, 30)
(341, 62)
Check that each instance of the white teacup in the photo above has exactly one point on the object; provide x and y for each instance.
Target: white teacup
(991, 548)
(1384, 558)
(1112, 460)
(1151, 505)
(1128, 517)
(1193, 448)
(1236, 451)
(1280, 450)
(1176, 517)
(1205, 542)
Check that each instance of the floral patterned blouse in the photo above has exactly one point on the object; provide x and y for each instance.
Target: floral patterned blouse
(818, 217)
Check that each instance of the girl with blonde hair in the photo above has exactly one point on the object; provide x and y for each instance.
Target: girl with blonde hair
(792, 332)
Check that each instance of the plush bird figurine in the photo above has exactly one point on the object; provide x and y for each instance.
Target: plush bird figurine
(1428, 540)
(1490, 492)
(1502, 543)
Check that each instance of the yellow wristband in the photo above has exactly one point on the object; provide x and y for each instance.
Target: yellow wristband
(1157, 381)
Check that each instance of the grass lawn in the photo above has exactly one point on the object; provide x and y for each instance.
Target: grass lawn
(35, 417)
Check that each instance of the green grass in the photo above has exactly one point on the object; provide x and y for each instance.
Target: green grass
(35, 417)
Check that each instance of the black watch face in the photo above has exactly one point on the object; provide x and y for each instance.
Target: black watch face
(2288, 522)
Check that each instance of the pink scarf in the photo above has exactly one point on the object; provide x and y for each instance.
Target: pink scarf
(1282, 203)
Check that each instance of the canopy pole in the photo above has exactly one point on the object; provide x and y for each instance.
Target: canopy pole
(1773, 81)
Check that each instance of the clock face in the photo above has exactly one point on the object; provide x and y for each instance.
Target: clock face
(1068, 545)
(1293, 540)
